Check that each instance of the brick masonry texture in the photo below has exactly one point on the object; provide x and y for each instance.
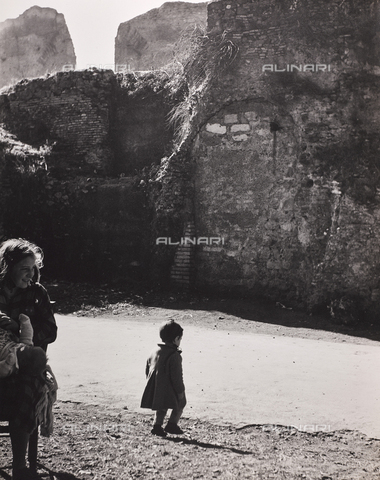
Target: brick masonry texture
(86, 207)
(92, 120)
(287, 167)
(282, 165)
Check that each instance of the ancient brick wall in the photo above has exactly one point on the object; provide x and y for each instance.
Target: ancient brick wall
(287, 161)
(92, 228)
(343, 33)
(141, 133)
(104, 235)
(70, 176)
(281, 160)
(95, 121)
(71, 110)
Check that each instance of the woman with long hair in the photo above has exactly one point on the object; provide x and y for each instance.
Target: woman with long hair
(22, 294)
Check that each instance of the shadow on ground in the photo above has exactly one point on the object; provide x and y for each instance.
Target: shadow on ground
(3, 473)
(92, 300)
(44, 473)
(187, 441)
(277, 314)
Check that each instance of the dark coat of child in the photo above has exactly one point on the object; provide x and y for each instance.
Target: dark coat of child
(165, 388)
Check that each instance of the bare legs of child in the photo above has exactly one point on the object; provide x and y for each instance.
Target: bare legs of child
(172, 425)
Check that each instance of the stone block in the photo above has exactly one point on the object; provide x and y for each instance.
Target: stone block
(241, 127)
(240, 138)
(216, 128)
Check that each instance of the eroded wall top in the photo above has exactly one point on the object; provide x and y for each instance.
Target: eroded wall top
(33, 44)
(147, 42)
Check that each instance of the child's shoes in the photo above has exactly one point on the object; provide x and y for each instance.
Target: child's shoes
(158, 430)
(173, 428)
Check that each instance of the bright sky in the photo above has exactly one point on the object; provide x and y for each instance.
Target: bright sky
(92, 24)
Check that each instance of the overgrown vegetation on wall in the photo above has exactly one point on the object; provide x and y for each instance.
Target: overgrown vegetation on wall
(199, 61)
(283, 166)
(287, 168)
(92, 226)
(203, 59)
(89, 133)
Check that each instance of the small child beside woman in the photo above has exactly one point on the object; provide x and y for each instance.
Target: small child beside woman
(17, 353)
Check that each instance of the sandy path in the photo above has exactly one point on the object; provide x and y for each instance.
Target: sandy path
(231, 376)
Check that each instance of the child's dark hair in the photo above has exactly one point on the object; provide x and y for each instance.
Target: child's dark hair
(13, 251)
(31, 360)
(170, 330)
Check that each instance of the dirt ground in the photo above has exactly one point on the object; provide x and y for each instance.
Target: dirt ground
(96, 441)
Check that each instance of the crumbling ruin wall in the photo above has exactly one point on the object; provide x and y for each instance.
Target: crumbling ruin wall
(280, 162)
(287, 164)
(95, 120)
(141, 131)
(148, 41)
(34, 44)
(70, 110)
(72, 154)
(92, 228)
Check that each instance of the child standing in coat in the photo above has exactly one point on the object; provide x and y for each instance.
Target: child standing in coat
(165, 388)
